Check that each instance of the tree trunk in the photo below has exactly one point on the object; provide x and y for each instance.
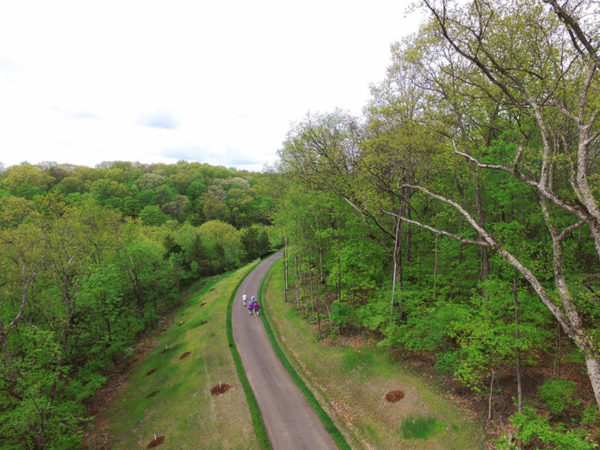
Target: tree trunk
(517, 339)
(408, 233)
(490, 397)
(339, 261)
(297, 281)
(558, 348)
(310, 277)
(593, 367)
(397, 256)
(435, 262)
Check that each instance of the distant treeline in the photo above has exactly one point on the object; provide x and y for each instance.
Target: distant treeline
(92, 258)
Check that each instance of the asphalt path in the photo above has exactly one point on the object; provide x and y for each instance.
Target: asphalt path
(290, 422)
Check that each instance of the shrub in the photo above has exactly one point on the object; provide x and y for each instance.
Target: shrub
(559, 395)
(532, 429)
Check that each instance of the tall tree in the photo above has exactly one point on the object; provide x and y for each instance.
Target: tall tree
(544, 74)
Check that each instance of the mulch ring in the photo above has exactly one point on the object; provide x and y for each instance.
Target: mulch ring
(156, 441)
(152, 394)
(151, 371)
(394, 396)
(220, 389)
(184, 355)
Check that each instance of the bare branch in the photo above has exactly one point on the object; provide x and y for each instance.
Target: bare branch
(569, 229)
(437, 231)
(541, 189)
(479, 164)
(488, 239)
(517, 159)
(574, 29)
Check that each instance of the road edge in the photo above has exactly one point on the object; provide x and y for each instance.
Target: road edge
(329, 425)
(257, 419)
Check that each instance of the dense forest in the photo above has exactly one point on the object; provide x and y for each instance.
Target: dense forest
(458, 220)
(90, 260)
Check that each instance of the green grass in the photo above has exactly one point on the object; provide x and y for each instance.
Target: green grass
(352, 379)
(361, 363)
(420, 427)
(184, 410)
(331, 428)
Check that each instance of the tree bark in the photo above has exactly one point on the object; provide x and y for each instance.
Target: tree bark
(435, 262)
(517, 339)
(490, 396)
(397, 257)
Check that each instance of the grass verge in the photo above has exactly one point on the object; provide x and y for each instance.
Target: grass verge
(257, 420)
(169, 394)
(331, 428)
(354, 377)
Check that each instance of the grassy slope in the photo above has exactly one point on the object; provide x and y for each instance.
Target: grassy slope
(354, 381)
(184, 410)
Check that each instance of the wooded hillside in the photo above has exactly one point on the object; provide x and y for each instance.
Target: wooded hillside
(90, 259)
(458, 218)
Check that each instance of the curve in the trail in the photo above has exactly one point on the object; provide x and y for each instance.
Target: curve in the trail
(289, 420)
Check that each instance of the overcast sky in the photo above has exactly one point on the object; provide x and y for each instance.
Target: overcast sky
(219, 81)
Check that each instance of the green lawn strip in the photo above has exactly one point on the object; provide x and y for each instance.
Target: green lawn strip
(355, 378)
(257, 420)
(183, 409)
(331, 428)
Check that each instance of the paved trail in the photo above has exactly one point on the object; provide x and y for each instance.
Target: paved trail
(290, 421)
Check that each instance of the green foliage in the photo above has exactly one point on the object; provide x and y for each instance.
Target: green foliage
(342, 314)
(559, 395)
(81, 280)
(453, 197)
(532, 429)
(151, 215)
(590, 416)
(255, 241)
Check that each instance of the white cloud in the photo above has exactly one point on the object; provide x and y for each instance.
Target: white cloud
(159, 119)
(215, 76)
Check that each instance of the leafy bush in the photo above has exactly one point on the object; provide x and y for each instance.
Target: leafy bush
(341, 314)
(590, 415)
(559, 395)
(533, 429)
(447, 363)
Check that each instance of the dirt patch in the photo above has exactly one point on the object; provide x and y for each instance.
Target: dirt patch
(220, 389)
(186, 354)
(151, 371)
(156, 441)
(394, 396)
(99, 436)
(152, 394)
